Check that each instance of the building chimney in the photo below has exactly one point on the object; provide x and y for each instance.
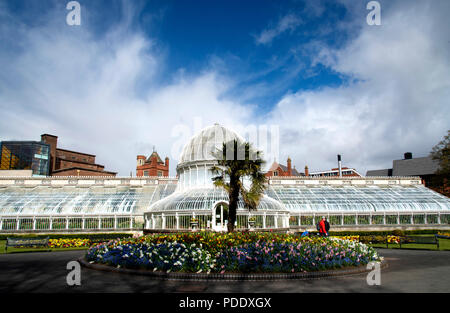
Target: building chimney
(289, 166)
(306, 170)
(140, 160)
(339, 165)
(167, 163)
(408, 155)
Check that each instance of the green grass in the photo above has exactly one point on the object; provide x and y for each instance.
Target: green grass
(37, 249)
(444, 244)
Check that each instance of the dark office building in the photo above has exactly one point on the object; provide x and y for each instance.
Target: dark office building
(25, 155)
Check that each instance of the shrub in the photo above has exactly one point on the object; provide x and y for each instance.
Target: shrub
(398, 232)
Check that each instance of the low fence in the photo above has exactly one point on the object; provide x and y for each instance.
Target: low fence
(372, 219)
(204, 220)
(118, 222)
(302, 220)
(70, 223)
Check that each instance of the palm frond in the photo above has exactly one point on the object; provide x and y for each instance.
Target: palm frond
(245, 161)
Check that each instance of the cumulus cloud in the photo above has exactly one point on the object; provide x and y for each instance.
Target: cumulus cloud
(101, 94)
(396, 99)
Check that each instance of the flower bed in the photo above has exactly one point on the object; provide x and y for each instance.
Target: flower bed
(232, 252)
(69, 243)
(442, 234)
(370, 239)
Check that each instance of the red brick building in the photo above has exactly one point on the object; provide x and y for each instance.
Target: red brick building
(71, 163)
(152, 166)
(281, 170)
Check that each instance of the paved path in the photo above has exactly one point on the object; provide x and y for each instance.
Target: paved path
(408, 271)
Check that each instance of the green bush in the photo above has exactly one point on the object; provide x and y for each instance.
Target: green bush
(372, 239)
(398, 232)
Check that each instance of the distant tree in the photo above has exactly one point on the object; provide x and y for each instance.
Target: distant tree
(233, 167)
(441, 153)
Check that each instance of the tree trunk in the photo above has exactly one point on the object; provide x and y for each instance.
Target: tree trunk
(232, 207)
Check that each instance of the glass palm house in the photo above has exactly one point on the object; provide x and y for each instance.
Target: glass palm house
(196, 197)
(290, 202)
(175, 203)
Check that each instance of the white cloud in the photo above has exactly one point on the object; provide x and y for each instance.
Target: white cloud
(102, 95)
(288, 22)
(398, 101)
(67, 82)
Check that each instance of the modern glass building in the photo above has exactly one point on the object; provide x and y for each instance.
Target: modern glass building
(25, 155)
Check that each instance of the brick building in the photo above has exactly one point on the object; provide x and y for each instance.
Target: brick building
(282, 170)
(152, 166)
(71, 163)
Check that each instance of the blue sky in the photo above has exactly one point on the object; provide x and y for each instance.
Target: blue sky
(200, 34)
(138, 74)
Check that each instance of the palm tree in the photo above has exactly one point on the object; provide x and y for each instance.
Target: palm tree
(244, 163)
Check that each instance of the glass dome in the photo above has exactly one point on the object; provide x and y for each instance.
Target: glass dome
(202, 146)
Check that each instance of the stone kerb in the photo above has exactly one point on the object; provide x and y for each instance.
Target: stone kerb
(233, 276)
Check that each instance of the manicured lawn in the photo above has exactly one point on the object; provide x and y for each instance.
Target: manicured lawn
(17, 250)
(444, 244)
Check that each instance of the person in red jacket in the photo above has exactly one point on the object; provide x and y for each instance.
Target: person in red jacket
(322, 228)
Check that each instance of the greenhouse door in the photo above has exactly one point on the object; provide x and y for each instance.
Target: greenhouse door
(220, 217)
